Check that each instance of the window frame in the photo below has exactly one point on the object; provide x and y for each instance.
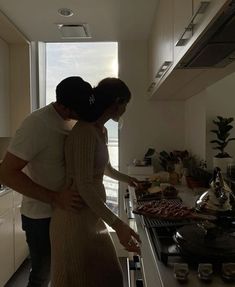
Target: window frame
(38, 84)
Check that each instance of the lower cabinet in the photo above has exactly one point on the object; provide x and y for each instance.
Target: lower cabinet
(6, 246)
(20, 245)
(13, 246)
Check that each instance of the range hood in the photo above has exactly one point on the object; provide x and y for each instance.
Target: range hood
(216, 47)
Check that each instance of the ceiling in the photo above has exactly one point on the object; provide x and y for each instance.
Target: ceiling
(108, 20)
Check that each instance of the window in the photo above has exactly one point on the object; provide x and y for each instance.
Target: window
(93, 62)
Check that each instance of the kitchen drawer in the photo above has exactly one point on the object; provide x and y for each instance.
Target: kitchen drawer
(6, 201)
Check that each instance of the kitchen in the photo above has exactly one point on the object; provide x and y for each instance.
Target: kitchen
(182, 121)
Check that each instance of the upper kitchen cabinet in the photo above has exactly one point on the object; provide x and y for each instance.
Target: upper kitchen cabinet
(190, 21)
(182, 14)
(161, 44)
(20, 105)
(4, 90)
(14, 77)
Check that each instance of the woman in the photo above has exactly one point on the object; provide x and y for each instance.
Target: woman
(83, 254)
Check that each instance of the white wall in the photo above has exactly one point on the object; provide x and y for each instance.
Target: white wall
(201, 110)
(195, 125)
(220, 102)
(146, 123)
(158, 124)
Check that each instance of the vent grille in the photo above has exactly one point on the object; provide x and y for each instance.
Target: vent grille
(74, 31)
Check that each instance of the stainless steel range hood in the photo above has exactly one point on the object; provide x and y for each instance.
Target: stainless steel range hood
(216, 47)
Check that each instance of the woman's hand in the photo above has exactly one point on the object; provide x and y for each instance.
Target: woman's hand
(127, 237)
(132, 181)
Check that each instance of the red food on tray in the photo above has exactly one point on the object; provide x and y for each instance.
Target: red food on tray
(165, 209)
(170, 210)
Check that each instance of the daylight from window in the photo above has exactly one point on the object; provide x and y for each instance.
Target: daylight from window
(92, 62)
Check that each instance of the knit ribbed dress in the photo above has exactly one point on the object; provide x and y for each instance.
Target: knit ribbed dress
(83, 254)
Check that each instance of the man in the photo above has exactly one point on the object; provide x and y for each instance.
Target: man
(34, 166)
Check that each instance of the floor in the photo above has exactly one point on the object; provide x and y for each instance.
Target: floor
(19, 279)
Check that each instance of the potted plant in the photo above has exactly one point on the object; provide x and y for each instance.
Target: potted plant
(196, 172)
(222, 159)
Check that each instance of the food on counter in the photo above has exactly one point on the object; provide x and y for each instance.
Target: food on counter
(170, 191)
(165, 209)
(144, 185)
(162, 176)
(154, 189)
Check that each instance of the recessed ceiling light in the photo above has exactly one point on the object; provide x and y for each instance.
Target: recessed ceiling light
(65, 12)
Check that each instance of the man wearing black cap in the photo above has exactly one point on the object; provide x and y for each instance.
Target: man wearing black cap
(34, 166)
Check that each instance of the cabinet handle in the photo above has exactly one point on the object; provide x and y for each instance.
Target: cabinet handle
(164, 67)
(201, 10)
(151, 86)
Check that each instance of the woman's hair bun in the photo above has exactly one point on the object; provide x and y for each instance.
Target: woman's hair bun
(108, 92)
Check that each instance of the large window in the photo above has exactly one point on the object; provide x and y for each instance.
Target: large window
(93, 62)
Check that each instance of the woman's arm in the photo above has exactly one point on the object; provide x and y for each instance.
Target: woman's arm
(115, 174)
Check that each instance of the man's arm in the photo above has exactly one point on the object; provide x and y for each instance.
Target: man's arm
(11, 175)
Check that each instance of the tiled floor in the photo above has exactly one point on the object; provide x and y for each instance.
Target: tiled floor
(19, 279)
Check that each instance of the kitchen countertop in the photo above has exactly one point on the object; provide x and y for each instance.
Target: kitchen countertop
(157, 274)
(4, 190)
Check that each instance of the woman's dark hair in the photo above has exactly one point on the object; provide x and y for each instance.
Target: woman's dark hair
(89, 104)
(107, 92)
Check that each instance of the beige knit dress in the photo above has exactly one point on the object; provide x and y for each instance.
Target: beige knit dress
(83, 254)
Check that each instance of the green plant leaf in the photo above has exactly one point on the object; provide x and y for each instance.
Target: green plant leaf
(222, 133)
(216, 141)
(231, 139)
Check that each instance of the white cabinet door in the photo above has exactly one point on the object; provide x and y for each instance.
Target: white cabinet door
(196, 4)
(21, 247)
(183, 11)
(165, 44)
(161, 41)
(4, 90)
(6, 247)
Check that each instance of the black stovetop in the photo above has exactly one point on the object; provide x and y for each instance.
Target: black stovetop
(162, 233)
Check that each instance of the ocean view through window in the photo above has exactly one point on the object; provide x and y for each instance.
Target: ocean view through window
(92, 62)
